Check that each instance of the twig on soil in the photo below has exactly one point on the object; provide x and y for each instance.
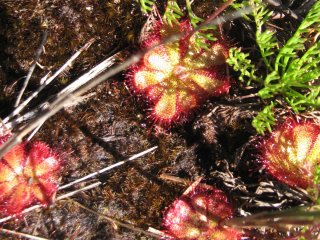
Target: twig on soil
(160, 233)
(108, 168)
(217, 13)
(7, 231)
(181, 180)
(46, 82)
(117, 222)
(94, 72)
(300, 216)
(96, 184)
(175, 179)
(36, 58)
(35, 131)
(2, 220)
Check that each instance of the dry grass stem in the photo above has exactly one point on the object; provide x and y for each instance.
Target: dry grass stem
(19, 234)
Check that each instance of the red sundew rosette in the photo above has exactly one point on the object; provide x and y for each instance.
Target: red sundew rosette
(28, 174)
(292, 153)
(176, 77)
(197, 216)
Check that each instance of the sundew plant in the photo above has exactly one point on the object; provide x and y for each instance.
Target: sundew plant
(176, 78)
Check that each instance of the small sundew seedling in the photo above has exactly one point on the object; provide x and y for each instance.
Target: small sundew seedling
(177, 77)
(198, 214)
(292, 153)
(28, 174)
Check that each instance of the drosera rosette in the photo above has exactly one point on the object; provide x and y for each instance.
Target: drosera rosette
(176, 77)
(28, 175)
(198, 214)
(291, 152)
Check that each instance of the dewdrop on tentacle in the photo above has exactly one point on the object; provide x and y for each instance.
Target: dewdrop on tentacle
(198, 214)
(292, 152)
(177, 77)
(28, 175)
